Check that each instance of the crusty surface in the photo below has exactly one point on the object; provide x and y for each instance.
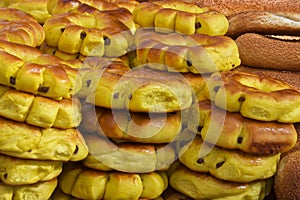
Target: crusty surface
(268, 52)
(287, 182)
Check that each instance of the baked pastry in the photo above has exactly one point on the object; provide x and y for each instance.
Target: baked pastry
(116, 86)
(19, 27)
(98, 33)
(39, 111)
(196, 53)
(231, 130)
(84, 183)
(186, 18)
(53, 81)
(255, 96)
(198, 185)
(228, 165)
(129, 126)
(16, 171)
(31, 142)
(130, 157)
(41, 190)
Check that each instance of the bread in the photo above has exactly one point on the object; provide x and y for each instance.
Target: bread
(31, 142)
(117, 87)
(85, 183)
(135, 127)
(203, 186)
(286, 184)
(130, 157)
(16, 171)
(236, 132)
(228, 165)
(186, 18)
(41, 190)
(39, 111)
(196, 53)
(255, 96)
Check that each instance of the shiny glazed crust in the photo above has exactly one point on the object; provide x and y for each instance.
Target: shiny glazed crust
(255, 96)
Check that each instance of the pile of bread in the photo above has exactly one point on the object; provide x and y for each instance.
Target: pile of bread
(162, 100)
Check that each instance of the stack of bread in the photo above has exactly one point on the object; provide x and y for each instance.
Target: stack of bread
(38, 114)
(116, 99)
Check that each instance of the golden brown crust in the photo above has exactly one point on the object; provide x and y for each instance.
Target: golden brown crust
(270, 53)
(287, 182)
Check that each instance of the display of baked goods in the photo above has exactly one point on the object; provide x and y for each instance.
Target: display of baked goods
(160, 100)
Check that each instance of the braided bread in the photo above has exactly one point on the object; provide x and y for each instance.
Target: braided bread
(129, 157)
(40, 190)
(198, 185)
(16, 171)
(197, 53)
(255, 96)
(39, 111)
(186, 18)
(228, 165)
(237, 132)
(19, 27)
(85, 183)
(31, 142)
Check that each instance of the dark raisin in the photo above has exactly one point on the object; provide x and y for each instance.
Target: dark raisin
(199, 128)
(197, 25)
(130, 97)
(12, 80)
(83, 35)
(5, 175)
(106, 41)
(62, 30)
(76, 150)
(189, 63)
(88, 83)
(116, 95)
(241, 99)
(200, 160)
(218, 165)
(240, 140)
(43, 89)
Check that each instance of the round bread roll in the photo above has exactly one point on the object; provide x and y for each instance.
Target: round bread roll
(39, 111)
(186, 18)
(286, 184)
(134, 127)
(116, 86)
(16, 171)
(130, 157)
(228, 165)
(255, 96)
(40, 190)
(196, 53)
(30, 142)
(198, 185)
(84, 183)
(236, 132)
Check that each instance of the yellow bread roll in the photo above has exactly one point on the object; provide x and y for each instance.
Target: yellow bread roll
(53, 81)
(31, 142)
(84, 183)
(41, 190)
(233, 131)
(198, 185)
(255, 96)
(19, 27)
(16, 171)
(39, 111)
(116, 86)
(128, 157)
(196, 53)
(187, 18)
(228, 165)
(134, 127)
